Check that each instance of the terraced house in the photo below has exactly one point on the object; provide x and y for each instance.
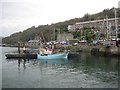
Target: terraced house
(103, 25)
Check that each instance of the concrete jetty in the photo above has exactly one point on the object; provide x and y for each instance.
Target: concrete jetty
(111, 51)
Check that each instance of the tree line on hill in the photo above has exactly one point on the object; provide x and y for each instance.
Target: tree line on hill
(47, 31)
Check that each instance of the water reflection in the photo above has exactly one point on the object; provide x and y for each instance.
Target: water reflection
(85, 71)
(54, 61)
(87, 62)
(21, 61)
(35, 62)
(103, 68)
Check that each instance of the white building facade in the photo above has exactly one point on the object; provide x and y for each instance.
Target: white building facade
(101, 25)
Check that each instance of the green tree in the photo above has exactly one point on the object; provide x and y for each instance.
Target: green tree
(47, 30)
(86, 17)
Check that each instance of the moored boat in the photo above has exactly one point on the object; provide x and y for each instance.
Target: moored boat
(37, 56)
(53, 56)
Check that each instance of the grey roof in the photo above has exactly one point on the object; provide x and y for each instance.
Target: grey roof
(33, 41)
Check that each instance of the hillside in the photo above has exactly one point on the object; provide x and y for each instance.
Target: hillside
(47, 30)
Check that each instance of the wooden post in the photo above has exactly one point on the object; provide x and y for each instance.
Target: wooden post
(19, 63)
(24, 48)
(19, 48)
(24, 63)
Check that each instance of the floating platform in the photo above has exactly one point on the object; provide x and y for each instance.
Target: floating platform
(33, 56)
(23, 56)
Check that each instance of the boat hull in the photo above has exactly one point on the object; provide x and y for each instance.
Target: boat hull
(53, 56)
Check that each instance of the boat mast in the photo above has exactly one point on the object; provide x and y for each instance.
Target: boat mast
(116, 24)
(107, 27)
(41, 46)
(81, 34)
(54, 34)
(110, 31)
(59, 35)
(59, 31)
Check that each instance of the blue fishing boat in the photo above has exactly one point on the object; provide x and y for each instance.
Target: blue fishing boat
(53, 56)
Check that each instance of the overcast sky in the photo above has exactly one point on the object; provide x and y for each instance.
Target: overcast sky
(18, 15)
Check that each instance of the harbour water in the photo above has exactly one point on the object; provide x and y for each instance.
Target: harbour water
(84, 72)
